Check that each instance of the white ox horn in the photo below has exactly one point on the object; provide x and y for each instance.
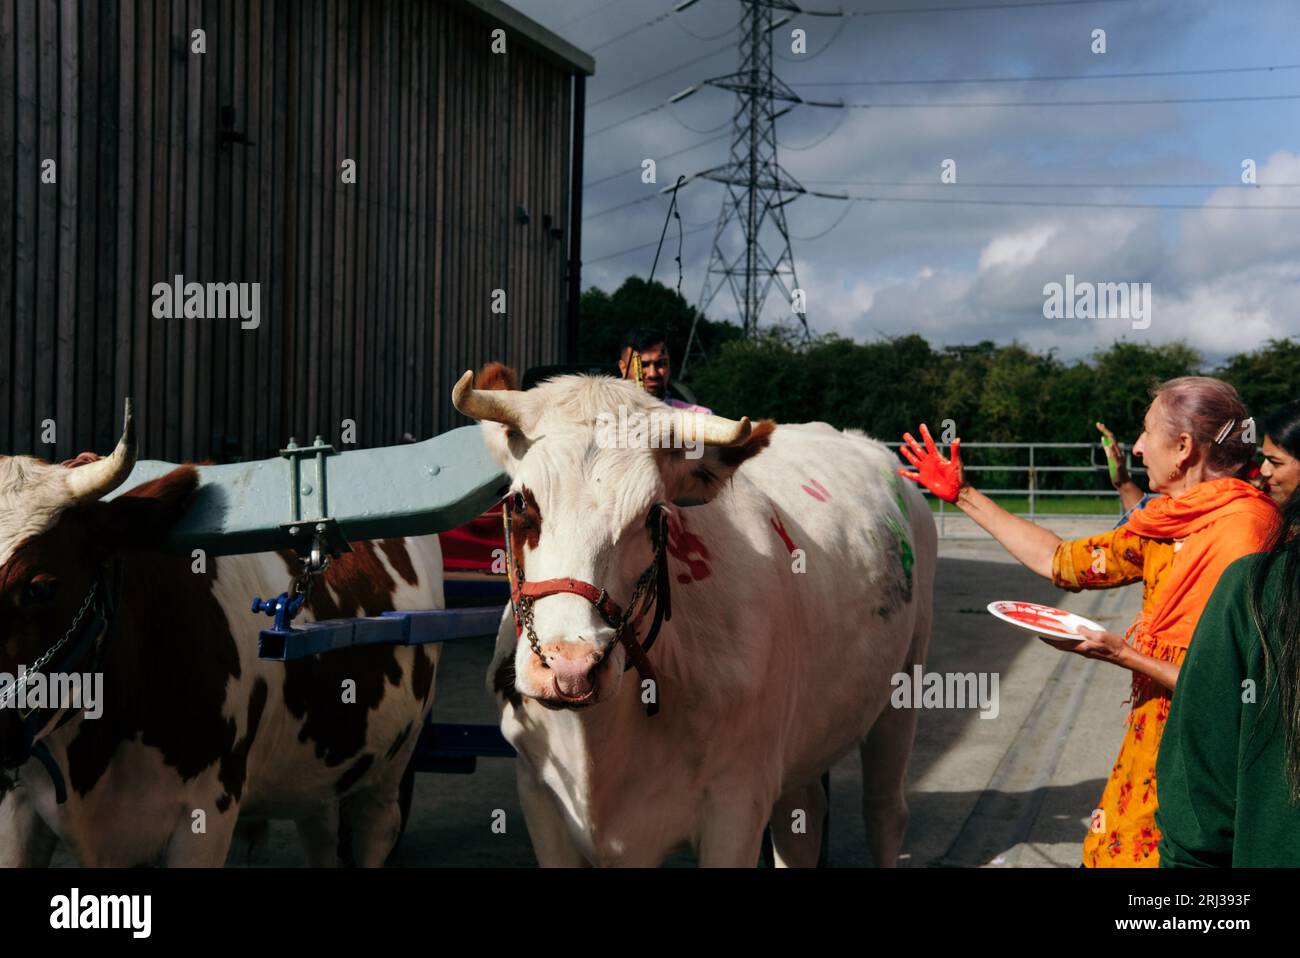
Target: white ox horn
(714, 430)
(97, 479)
(494, 405)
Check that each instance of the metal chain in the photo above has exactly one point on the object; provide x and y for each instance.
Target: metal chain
(313, 567)
(40, 663)
(526, 616)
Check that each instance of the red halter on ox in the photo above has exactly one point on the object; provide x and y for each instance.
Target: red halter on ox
(651, 588)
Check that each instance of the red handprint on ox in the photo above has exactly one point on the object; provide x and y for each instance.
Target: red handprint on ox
(941, 476)
(688, 548)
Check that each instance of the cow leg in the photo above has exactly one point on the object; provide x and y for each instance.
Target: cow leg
(552, 843)
(885, 752)
(319, 832)
(731, 835)
(374, 819)
(25, 840)
(797, 822)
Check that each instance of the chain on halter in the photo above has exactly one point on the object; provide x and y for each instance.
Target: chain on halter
(40, 663)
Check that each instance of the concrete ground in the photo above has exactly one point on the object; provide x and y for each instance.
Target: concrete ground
(1012, 791)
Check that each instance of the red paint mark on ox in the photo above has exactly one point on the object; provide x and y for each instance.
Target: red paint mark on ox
(817, 490)
(688, 548)
(779, 526)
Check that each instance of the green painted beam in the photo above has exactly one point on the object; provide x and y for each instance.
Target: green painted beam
(407, 490)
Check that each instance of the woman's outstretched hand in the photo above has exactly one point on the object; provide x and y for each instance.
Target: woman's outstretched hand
(941, 476)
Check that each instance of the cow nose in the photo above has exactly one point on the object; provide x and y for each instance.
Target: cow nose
(573, 666)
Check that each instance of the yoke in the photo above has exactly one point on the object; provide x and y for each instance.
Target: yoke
(315, 498)
(391, 491)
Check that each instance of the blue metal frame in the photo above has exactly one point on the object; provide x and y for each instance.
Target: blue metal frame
(442, 747)
(390, 628)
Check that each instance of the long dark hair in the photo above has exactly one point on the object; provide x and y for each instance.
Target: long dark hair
(1279, 632)
(1282, 425)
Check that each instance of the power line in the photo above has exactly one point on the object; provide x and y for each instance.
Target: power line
(848, 208)
(971, 7)
(626, 119)
(817, 142)
(636, 169)
(658, 76)
(717, 36)
(901, 199)
(652, 22)
(682, 123)
(590, 13)
(1141, 74)
(1061, 186)
(1154, 101)
(804, 58)
(633, 249)
(1070, 204)
(620, 206)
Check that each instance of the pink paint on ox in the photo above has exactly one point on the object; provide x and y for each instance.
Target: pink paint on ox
(816, 490)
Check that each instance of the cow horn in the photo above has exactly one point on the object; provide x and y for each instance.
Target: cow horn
(714, 430)
(97, 479)
(495, 405)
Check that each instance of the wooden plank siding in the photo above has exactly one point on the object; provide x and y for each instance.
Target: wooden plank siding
(224, 167)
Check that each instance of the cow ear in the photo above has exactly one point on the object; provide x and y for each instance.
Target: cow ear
(506, 445)
(695, 481)
(496, 376)
(143, 518)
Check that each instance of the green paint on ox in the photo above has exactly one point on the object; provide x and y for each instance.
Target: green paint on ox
(905, 554)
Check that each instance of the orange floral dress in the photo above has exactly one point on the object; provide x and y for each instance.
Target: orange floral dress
(1177, 548)
(1122, 828)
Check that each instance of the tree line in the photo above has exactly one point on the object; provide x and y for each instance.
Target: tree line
(992, 393)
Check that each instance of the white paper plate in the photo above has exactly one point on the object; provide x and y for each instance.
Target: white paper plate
(1043, 619)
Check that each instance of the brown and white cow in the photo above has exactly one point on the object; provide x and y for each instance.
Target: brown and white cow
(192, 720)
(801, 574)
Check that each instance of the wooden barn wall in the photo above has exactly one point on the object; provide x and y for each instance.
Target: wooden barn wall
(225, 166)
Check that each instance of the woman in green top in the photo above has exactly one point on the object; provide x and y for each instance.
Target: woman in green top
(1229, 764)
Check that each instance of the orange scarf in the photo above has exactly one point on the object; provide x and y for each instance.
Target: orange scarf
(1218, 522)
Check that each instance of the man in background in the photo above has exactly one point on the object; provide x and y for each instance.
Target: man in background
(656, 366)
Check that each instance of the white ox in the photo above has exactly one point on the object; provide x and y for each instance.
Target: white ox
(801, 583)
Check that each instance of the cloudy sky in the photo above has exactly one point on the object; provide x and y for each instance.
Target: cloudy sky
(1224, 280)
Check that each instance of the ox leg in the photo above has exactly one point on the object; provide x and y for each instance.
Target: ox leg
(797, 822)
(374, 819)
(25, 840)
(552, 843)
(885, 752)
(731, 835)
(319, 832)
